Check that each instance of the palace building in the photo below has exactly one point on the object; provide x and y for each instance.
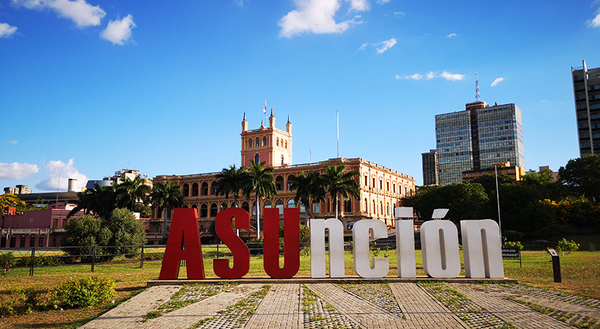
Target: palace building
(381, 188)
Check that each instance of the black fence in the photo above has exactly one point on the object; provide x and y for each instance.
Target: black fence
(33, 258)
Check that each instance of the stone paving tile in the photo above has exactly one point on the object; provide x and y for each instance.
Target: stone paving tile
(522, 289)
(320, 314)
(194, 313)
(281, 308)
(516, 314)
(127, 314)
(358, 309)
(421, 309)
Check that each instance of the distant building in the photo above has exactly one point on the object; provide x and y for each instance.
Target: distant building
(19, 189)
(554, 174)
(478, 138)
(381, 188)
(37, 228)
(586, 88)
(430, 168)
(118, 177)
(515, 172)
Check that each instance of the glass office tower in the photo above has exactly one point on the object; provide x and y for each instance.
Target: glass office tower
(478, 138)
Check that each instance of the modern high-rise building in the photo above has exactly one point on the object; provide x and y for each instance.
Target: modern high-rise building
(586, 88)
(430, 168)
(478, 138)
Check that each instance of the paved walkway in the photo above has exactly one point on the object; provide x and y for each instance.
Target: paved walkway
(353, 305)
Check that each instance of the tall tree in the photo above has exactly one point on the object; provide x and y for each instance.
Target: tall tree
(260, 182)
(338, 182)
(99, 201)
(309, 188)
(231, 181)
(582, 176)
(166, 195)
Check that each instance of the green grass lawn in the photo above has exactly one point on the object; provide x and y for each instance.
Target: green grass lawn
(580, 275)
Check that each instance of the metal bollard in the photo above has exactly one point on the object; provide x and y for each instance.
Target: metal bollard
(555, 265)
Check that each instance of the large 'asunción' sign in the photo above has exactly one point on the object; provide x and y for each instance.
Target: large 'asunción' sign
(439, 244)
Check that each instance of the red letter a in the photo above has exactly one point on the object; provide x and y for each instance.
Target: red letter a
(239, 250)
(183, 244)
(291, 245)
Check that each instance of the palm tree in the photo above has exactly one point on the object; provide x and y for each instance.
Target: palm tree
(232, 181)
(339, 182)
(99, 201)
(309, 188)
(166, 195)
(131, 191)
(260, 181)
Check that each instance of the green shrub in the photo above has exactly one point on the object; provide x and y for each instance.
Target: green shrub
(7, 260)
(513, 235)
(564, 245)
(512, 245)
(81, 292)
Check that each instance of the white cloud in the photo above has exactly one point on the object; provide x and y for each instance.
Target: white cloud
(432, 75)
(12, 142)
(359, 5)
(383, 1)
(240, 3)
(399, 13)
(385, 45)
(6, 31)
(595, 22)
(363, 46)
(58, 176)
(17, 170)
(452, 77)
(79, 11)
(118, 31)
(316, 16)
(497, 81)
(451, 35)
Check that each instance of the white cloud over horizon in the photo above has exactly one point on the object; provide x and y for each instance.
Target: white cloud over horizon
(594, 22)
(118, 31)
(363, 46)
(58, 176)
(7, 31)
(432, 75)
(17, 170)
(80, 12)
(497, 81)
(316, 16)
(386, 45)
(451, 35)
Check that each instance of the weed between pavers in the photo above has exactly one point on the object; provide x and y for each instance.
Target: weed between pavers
(188, 294)
(577, 320)
(460, 305)
(239, 313)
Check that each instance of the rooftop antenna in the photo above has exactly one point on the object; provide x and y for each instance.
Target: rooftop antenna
(477, 98)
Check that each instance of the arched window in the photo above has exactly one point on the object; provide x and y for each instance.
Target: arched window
(279, 205)
(257, 142)
(213, 190)
(204, 190)
(277, 141)
(203, 211)
(302, 209)
(348, 205)
(381, 184)
(388, 209)
(366, 181)
(223, 206)
(246, 206)
(387, 185)
(279, 183)
(195, 189)
(250, 142)
(254, 208)
(316, 207)
(186, 190)
(394, 186)
(286, 144)
(265, 141)
(268, 204)
(381, 208)
(282, 160)
(213, 210)
(291, 203)
(366, 205)
(289, 182)
(234, 205)
(257, 158)
(373, 209)
(373, 186)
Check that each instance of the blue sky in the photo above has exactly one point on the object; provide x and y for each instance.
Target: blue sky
(93, 86)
